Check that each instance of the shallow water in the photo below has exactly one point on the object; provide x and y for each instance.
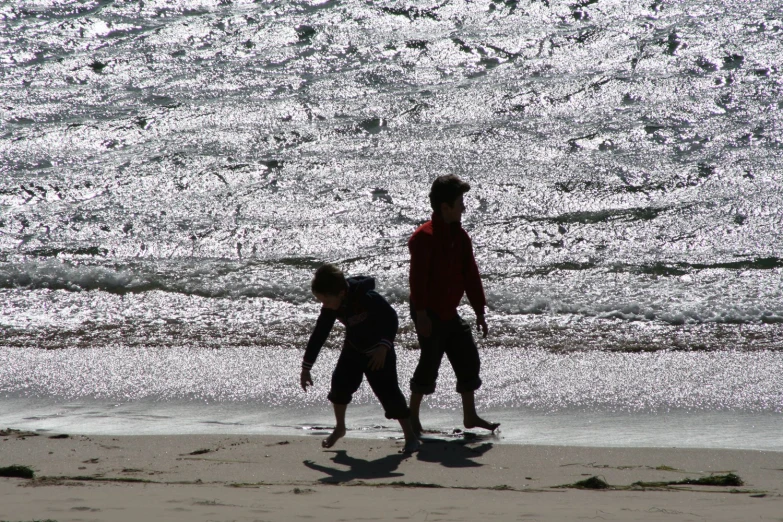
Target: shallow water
(677, 429)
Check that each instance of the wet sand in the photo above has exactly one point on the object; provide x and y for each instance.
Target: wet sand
(249, 478)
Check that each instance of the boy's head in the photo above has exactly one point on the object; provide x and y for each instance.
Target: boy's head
(446, 197)
(329, 286)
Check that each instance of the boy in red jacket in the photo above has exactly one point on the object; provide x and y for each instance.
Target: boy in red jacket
(442, 270)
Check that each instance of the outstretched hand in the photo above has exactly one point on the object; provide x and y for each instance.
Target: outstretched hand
(305, 379)
(481, 325)
(378, 358)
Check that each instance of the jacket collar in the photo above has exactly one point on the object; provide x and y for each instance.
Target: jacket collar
(439, 224)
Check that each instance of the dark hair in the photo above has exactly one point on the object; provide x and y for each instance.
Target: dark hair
(328, 280)
(446, 189)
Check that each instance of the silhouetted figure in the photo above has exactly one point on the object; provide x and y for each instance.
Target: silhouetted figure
(442, 270)
(370, 327)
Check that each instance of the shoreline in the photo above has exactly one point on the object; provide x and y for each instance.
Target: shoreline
(692, 429)
(276, 477)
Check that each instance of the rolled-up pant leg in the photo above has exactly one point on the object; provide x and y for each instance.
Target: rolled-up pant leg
(347, 376)
(386, 387)
(463, 354)
(430, 357)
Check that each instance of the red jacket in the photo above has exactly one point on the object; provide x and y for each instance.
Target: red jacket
(443, 269)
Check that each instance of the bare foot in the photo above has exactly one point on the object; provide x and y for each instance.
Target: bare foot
(411, 446)
(478, 422)
(337, 434)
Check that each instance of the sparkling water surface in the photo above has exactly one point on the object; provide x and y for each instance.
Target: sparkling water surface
(172, 172)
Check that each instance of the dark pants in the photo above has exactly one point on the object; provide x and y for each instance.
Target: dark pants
(454, 338)
(347, 378)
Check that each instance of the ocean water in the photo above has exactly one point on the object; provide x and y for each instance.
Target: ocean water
(172, 172)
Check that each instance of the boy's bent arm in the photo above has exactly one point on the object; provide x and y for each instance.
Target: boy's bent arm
(473, 285)
(420, 248)
(323, 325)
(384, 316)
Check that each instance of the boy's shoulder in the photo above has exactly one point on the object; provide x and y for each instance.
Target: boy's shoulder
(422, 231)
(368, 304)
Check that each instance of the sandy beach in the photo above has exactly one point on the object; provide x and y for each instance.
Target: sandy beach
(269, 478)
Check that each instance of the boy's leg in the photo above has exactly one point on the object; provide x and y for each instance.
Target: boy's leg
(463, 355)
(339, 426)
(470, 418)
(426, 373)
(346, 379)
(411, 439)
(416, 399)
(385, 385)
(425, 376)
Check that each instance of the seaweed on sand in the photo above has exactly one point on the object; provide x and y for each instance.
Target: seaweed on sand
(17, 471)
(730, 479)
(589, 483)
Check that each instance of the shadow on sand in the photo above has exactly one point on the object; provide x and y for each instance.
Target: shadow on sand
(448, 453)
(358, 469)
(458, 453)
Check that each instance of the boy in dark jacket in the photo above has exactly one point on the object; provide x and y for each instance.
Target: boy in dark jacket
(370, 327)
(442, 270)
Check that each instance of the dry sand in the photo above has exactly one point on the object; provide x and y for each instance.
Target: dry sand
(270, 478)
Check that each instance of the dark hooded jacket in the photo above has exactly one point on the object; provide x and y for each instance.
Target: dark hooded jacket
(368, 318)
